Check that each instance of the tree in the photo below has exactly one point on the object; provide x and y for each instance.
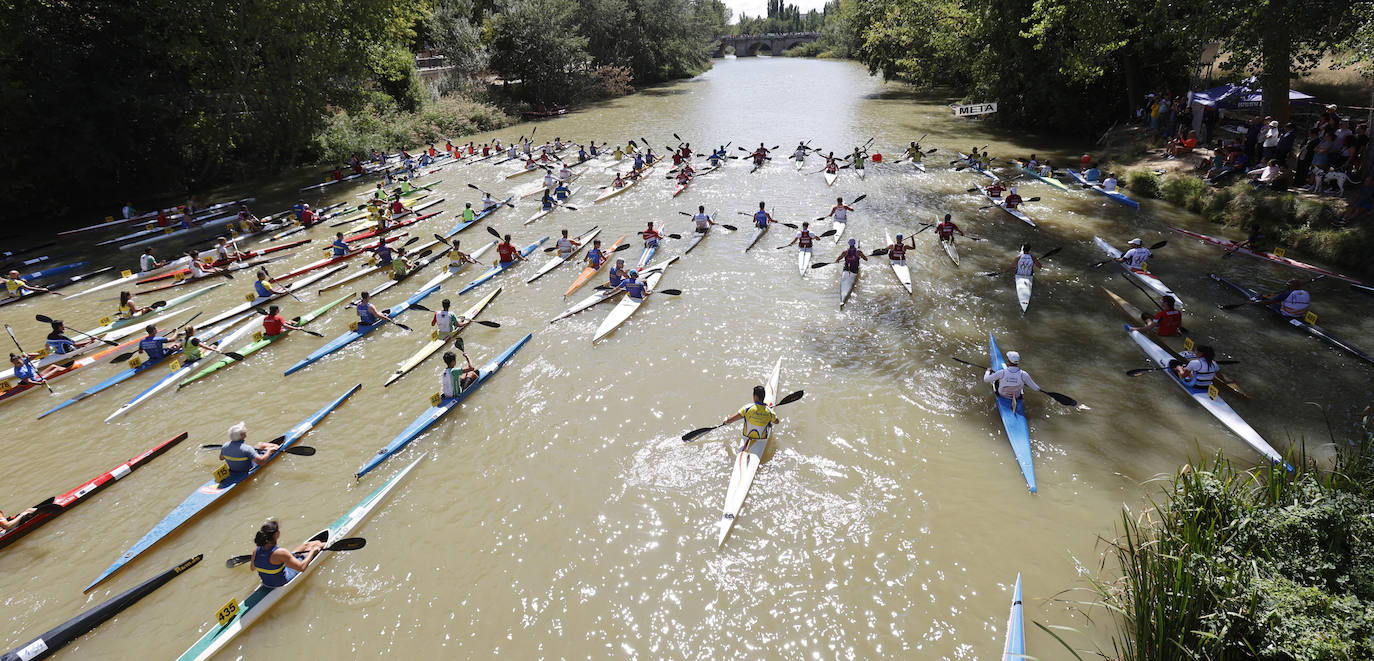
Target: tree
(532, 44)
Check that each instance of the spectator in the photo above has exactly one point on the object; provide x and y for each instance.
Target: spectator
(1266, 175)
(1285, 147)
(1178, 148)
(1321, 159)
(1270, 142)
(1305, 155)
(1252, 133)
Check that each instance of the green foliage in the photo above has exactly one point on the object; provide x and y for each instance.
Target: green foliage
(782, 17)
(383, 124)
(531, 45)
(1184, 191)
(1143, 183)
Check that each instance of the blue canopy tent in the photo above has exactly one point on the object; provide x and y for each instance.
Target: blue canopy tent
(1241, 95)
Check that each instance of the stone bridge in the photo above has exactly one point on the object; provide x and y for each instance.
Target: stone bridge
(749, 45)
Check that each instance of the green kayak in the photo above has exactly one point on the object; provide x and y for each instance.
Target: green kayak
(261, 342)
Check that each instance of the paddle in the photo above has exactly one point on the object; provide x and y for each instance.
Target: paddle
(854, 201)
(298, 450)
(1232, 306)
(346, 544)
(1058, 397)
(22, 353)
(48, 320)
(994, 206)
(1044, 256)
(473, 187)
(697, 433)
(1156, 246)
(126, 356)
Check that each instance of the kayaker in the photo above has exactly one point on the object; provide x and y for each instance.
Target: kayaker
(840, 212)
(595, 256)
(247, 221)
(368, 314)
(146, 261)
(1109, 184)
(264, 288)
(274, 324)
(760, 155)
(685, 174)
(851, 256)
(398, 208)
(762, 217)
(128, 309)
(546, 202)
(703, 220)
(224, 250)
(487, 203)
(339, 246)
(28, 373)
(896, 251)
(800, 153)
(1251, 241)
(758, 419)
(592, 150)
(275, 565)
(805, 238)
(994, 190)
(156, 346)
(201, 269)
(617, 274)
(457, 258)
(1166, 322)
(858, 158)
(566, 246)
(650, 235)
(453, 379)
(1026, 263)
(10, 522)
(308, 217)
(638, 162)
(59, 343)
(1046, 170)
(128, 210)
(448, 323)
(401, 265)
(18, 287)
(1032, 162)
(634, 287)
(1013, 199)
(946, 228)
(507, 254)
(384, 253)
(1011, 380)
(548, 180)
(561, 192)
(581, 154)
(1292, 302)
(1137, 257)
(1200, 370)
(914, 153)
(192, 347)
(618, 182)
(468, 214)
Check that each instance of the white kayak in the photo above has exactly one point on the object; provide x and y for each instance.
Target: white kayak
(558, 205)
(830, 178)
(1023, 290)
(951, 251)
(901, 270)
(803, 261)
(847, 281)
(758, 234)
(747, 462)
(838, 226)
(1141, 276)
(583, 240)
(628, 306)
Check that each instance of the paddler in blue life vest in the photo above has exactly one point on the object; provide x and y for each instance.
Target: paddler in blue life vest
(617, 274)
(1011, 380)
(275, 565)
(368, 314)
(758, 419)
(241, 457)
(762, 217)
(339, 246)
(263, 288)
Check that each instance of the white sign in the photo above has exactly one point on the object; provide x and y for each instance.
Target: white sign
(973, 109)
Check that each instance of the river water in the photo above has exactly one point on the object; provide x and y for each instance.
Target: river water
(558, 515)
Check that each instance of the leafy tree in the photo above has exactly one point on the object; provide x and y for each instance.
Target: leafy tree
(532, 44)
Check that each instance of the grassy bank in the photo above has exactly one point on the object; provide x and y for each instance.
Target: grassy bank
(383, 126)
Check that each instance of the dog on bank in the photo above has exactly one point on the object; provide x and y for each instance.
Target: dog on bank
(1323, 182)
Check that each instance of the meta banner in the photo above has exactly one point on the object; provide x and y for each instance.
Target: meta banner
(973, 109)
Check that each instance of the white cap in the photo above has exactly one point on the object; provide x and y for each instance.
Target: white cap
(1134, 242)
(1013, 190)
(1013, 357)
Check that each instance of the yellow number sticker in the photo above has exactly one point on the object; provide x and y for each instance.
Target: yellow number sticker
(372, 262)
(1212, 391)
(1280, 252)
(106, 321)
(135, 361)
(353, 326)
(167, 230)
(178, 276)
(1310, 317)
(43, 353)
(126, 273)
(5, 385)
(249, 297)
(257, 337)
(221, 472)
(436, 399)
(227, 612)
(1187, 344)
(173, 364)
(434, 335)
(150, 227)
(109, 219)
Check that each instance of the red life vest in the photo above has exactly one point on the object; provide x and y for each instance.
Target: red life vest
(897, 251)
(1168, 322)
(507, 252)
(946, 230)
(804, 240)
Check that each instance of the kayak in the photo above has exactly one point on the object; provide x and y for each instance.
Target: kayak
(180, 370)
(848, 279)
(153, 214)
(830, 178)
(646, 255)
(439, 341)
(697, 236)
(358, 331)
(260, 342)
(860, 171)
(62, 635)
(1091, 182)
(10, 390)
(800, 162)
(758, 234)
(132, 276)
(499, 268)
(57, 505)
(583, 240)
(544, 212)
(1023, 290)
(951, 250)
(1300, 324)
(919, 165)
(442, 407)
(372, 267)
(262, 598)
(1363, 288)
(1049, 180)
(629, 183)
(332, 260)
(165, 273)
(107, 324)
(1001, 203)
(747, 462)
(977, 169)
(182, 282)
(51, 358)
(603, 295)
(1141, 276)
(803, 261)
(902, 271)
(30, 293)
(1013, 419)
(627, 305)
(1217, 407)
(53, 271)
(213, 490)
(524, 171)
(839, 227)
(478, 216)
(1015, 647)
(1136, 316)
(252, 301)
(589, 271)
(1266, 256)
(454, 268)
(394, 280)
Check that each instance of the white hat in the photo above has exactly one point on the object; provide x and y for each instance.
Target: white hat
(1013, 357)
(1134, 242)
(1013, 190)
(1273, 122)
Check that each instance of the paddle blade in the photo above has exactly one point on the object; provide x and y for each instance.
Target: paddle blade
(1143, 370)
(817, 265)
(828, 233)
(236, 561)
(301, 450)
(697, 433)
(1061, 398)
(347, 544)
(670, 292)
(234, 356)
(791, 398)
(489, 324)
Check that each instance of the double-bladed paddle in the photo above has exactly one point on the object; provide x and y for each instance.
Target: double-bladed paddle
(345, 544)
(298, 450)
(1044, 256)
(697, 433)
(1058, 397)
(1156, 246)
(473, 187)
(45, 319)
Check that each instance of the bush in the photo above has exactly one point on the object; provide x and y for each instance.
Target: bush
(380, 125)
(1183, 191)
(1143, 183)
(606, 82)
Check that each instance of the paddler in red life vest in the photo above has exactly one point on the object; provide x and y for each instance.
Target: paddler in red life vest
(356, 164)
(1166, 322)
(1011, 380)
(336, 174)
(685, 174)
(831, 165)
(397, 206)
(686, 151)
(507, 254)
(804, 239)
(1013, 199)
(618, 183)
(1292, 302)
(851, 256)
(308, 216)
(274, 324)
(995, 190)
(651, 236)
(896, 253)
(760, 155)
(946, 228)
(677, 159)
(448, 145)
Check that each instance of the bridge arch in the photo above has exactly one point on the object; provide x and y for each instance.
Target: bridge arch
(749, 45)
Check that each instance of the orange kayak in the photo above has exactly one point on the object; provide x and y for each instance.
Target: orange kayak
(588, 272)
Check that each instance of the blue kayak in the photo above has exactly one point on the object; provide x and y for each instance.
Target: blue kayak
(1015, 647)
(360, 332)
(645, 256)
(53, 270)
(1014, 419)
(1089, 179)
(212, 491)
(462, 225)
(496, 270)
(436, 413)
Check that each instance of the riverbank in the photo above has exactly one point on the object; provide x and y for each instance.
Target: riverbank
(1296, 220)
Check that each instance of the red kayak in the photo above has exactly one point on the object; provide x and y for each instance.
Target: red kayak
(329, 261)
(367, 234)
(52, 507)
(222, 262)
(1266, 256)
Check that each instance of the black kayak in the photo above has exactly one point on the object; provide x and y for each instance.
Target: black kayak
(60, 636)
